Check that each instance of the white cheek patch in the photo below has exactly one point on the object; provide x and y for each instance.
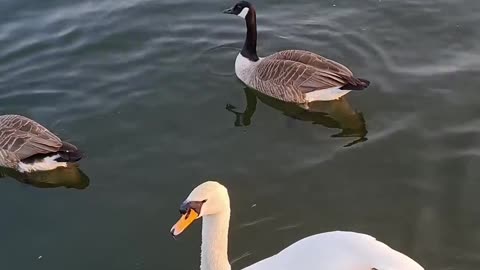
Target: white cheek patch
(244, 12)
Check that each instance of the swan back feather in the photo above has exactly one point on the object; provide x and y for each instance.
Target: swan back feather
(338, 250)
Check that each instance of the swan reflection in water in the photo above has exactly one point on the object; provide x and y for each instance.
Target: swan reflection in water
(331, 114)
(69, 177)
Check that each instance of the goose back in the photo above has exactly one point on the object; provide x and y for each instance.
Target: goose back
(290, 75)
(21, 138)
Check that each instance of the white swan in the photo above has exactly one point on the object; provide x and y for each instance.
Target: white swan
(325, 251)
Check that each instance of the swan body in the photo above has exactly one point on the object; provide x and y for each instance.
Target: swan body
(293, 75)
(27, 146)
(337, 250)
(326, 251)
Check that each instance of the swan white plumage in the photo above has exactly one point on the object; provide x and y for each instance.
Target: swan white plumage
(325, 251)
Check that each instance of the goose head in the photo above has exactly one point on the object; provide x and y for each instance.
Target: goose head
(207, 199)
(240, 9)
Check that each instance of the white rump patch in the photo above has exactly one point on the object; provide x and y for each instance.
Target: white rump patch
(244, 12)
(45, 164)
(326, 94)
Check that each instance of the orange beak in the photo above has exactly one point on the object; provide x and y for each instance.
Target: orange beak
(183, 223)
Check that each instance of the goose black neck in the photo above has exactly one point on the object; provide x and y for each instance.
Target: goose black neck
(249, 49)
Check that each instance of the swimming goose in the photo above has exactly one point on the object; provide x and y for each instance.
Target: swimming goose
(328, 251)
(27, 146)
(292, 75)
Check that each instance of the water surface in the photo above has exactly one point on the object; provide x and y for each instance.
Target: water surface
(143, 88)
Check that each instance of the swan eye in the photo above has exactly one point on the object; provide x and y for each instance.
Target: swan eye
(186, 207)
(197, 206)
(188, 213)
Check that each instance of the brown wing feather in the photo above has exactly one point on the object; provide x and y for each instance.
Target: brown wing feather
(290, 74)
(25, 137)
(297, 75)
(314, 60)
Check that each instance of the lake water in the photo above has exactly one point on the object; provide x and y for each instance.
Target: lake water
(143, 87)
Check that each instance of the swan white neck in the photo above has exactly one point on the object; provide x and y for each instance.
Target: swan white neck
(215, 242)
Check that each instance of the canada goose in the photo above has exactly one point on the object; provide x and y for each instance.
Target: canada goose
(27, 146)
(337, 114)
(332, 250)
(292, 75)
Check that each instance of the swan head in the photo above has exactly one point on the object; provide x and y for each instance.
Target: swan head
(240, 9)
(209, 198)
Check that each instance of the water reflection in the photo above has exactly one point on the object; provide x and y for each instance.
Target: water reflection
(69, 177)
(331, 114)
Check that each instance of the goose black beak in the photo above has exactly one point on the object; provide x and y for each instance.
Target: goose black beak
(228, 11)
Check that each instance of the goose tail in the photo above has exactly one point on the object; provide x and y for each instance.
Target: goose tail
(69, 153)
(356, 84)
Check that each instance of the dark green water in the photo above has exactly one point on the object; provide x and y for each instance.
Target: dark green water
(142, 87)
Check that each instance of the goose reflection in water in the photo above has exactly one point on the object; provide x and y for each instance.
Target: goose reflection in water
(331, 114)
(69, 177)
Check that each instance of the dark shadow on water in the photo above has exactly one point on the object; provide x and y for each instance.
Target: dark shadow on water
(69, 177)
(336, 114)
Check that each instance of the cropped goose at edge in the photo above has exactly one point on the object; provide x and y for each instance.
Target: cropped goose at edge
(27, 146)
